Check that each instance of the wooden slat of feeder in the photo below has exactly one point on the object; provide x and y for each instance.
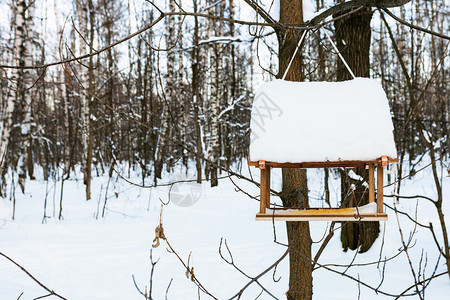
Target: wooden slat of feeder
(380, 188)
(264, 190)
(371, 183)
(322, 164)
(310, 210)
(322, 217)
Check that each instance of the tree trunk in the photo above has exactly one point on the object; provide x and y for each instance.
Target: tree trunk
(26, 163)
(295, 194)
(108, 23)
(90, 102)
(215, 66)
(164, 146)
(82, 9)
(62, 95)
(353, 41)
(18, 59)
(196, 95)
(182, 95)
(295, 187)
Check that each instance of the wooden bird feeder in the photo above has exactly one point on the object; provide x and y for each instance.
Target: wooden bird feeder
(322, 125)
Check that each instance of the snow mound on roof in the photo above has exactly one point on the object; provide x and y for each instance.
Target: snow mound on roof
(321, 121)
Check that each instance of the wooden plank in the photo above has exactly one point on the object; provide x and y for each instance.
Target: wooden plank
(264, 199)
(342, 210)
(322, 164)
(322, 217)
(312, 164)
(267, 203)
(371, 183)
(380, 183)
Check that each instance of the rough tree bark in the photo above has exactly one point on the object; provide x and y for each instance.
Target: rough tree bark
(295, 186)
(353, 35)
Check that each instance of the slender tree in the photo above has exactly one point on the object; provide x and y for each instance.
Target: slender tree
(169, 96)
(195, 57)
(26, 161)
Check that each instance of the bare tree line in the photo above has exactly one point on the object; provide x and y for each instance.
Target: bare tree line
(157, 87)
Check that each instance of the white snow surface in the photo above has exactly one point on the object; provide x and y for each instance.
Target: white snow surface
(82, 257)
(321, 121)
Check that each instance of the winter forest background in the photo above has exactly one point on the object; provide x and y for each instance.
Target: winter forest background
(137, 91)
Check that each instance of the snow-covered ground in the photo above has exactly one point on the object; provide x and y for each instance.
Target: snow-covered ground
(87, 256)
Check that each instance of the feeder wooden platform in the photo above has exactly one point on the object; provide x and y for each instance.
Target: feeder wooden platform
(323, 214)
(320, 214)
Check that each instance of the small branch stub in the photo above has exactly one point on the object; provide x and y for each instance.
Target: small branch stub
(159, 234)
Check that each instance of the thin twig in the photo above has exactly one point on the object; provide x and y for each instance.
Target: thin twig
(51, 292)
(438, 34)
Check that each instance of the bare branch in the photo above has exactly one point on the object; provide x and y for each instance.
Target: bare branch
(441, 35)
(51, 293)
(324, 244)
(260, 11)
(345, 6)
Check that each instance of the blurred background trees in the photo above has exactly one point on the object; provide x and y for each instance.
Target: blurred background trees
(190, 79)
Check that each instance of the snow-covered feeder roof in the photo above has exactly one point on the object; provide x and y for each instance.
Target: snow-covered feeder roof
(300, 122)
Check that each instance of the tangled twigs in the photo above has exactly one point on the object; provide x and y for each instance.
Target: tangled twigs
(253, 279)
(147, 293)
(50, 292)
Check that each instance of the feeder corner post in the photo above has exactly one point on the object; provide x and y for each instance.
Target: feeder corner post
(371, 183)
(264, 188)
(380, 183)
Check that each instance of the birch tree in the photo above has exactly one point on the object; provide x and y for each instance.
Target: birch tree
(215, 66)
(195, 57)
(14, 86)
(63, 97)
(20, 90)
(26, 161)
(169, 93)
